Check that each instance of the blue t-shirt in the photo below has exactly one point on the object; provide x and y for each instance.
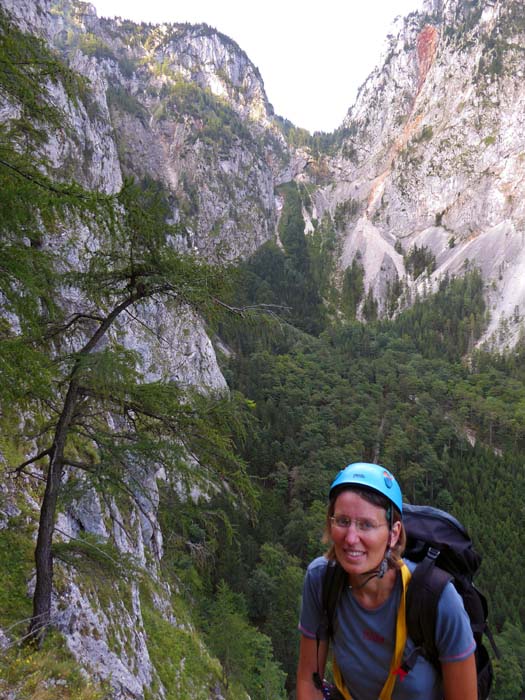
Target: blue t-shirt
(364, 640)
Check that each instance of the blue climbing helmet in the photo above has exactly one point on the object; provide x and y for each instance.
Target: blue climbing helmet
(372, 476)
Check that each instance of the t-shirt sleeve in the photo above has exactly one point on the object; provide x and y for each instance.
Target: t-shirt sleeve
(311, 618)
(454, 638)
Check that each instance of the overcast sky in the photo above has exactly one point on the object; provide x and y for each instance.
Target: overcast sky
(312, 56)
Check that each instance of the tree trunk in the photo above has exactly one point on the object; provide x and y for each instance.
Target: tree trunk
(44, 554)
(44, 544)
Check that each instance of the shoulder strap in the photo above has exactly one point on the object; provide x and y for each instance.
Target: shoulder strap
(335, 578)
(425, 589)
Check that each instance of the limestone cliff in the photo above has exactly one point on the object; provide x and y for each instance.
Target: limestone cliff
(433, 158)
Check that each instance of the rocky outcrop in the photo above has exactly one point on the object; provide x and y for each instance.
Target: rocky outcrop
(185, 107)
(433, 156)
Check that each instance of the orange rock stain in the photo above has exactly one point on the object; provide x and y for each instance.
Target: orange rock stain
(427, 43)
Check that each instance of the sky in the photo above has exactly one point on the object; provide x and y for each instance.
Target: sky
(312, 56)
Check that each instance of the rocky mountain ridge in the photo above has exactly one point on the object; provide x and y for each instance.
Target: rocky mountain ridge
(434, 156)
(430, 157)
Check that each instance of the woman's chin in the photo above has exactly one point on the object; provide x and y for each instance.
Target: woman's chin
(354, 565)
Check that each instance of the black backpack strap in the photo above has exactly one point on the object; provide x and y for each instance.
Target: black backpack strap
(334, 580)
(423, 594)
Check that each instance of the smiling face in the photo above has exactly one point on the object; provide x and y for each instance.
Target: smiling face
(360, 548)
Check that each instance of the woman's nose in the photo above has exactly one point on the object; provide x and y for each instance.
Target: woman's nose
(352, 533)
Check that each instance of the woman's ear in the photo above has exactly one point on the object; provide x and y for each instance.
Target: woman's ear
(394, 533)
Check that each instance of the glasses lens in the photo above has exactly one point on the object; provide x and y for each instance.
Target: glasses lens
(360, 524)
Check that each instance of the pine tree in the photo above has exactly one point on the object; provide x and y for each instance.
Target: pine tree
(91, 408)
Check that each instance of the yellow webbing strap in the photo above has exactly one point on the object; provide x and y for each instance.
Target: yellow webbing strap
(401, 638)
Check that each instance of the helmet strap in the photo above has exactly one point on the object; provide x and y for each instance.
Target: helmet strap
(376, 573)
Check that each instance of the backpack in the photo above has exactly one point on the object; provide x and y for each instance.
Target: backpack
(444, 552)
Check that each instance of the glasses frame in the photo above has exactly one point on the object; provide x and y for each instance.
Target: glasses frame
(361, 525)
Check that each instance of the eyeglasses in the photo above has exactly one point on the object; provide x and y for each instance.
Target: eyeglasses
(360, 524)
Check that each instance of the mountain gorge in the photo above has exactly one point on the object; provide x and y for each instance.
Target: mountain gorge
(207, 311)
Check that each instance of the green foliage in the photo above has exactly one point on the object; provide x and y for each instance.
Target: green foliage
(345, 211)
(426, 134)
(95, 558)
(16, 558)
(51, 673)
(491, 62)
(135, 262)
(33, 209)
(220, 126)
(467, 15)
(92, 45)
(295, 136)
(290, 281)
(510, 669)
(27, 68)
(353, 288)
(28, 72)
(245, 653)
(395, 289)
(448, 323)
(182, 664)
(127, 66)
(291, 227)
(419, 260)
(300, 407)
(396, 392)
(319, 143)
(274, 592)
(322, 248)
(82, 374)
(123, 100)
(370, 307)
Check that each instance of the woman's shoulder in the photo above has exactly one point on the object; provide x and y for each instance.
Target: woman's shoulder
(318, 564)
(411, 564)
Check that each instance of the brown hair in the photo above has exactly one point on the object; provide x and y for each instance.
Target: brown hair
(376, 499)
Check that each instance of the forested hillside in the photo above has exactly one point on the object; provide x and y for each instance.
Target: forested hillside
(154, 532)
(413, 394)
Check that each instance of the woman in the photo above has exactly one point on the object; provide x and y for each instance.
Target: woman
(367, 538)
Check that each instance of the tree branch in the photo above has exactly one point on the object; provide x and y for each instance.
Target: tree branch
(145, 325)
(60, 328)
(44, 185)
(242, 310)
(77, 465)
(88, 544)
(25, 464)
(135, 295)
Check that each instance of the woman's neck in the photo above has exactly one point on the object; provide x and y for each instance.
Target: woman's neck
(374, 592)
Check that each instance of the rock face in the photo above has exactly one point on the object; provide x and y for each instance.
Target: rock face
(188, 109)
(433, 157)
